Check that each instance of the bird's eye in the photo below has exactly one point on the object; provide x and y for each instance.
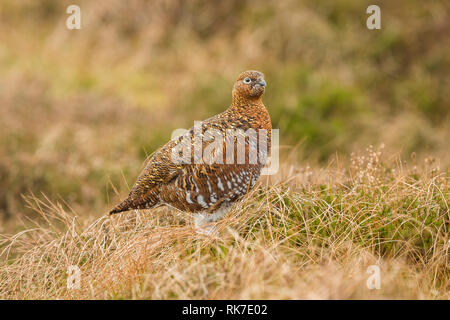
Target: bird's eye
(247, 80)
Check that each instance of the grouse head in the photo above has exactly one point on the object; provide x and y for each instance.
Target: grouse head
(249, 85)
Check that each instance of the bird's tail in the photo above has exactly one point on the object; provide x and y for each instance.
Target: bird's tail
(125, 205)
(133, 202)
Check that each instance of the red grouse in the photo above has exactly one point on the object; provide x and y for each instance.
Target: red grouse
(211, 174)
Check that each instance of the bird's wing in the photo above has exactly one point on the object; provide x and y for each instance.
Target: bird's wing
(208, 184)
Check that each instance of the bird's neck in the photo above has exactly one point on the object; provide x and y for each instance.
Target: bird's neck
(252, 108)
(239, 102)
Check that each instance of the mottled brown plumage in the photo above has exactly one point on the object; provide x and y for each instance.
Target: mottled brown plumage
(206, 188)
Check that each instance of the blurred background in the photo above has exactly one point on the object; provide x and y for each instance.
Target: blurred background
(81, 109)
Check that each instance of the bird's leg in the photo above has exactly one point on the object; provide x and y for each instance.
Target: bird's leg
(202, 222)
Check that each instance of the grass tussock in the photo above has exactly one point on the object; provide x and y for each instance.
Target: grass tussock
(304, 233)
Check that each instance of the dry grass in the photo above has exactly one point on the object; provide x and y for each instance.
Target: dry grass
(304, 233)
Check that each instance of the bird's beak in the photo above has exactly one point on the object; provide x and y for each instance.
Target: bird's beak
(262, 83)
